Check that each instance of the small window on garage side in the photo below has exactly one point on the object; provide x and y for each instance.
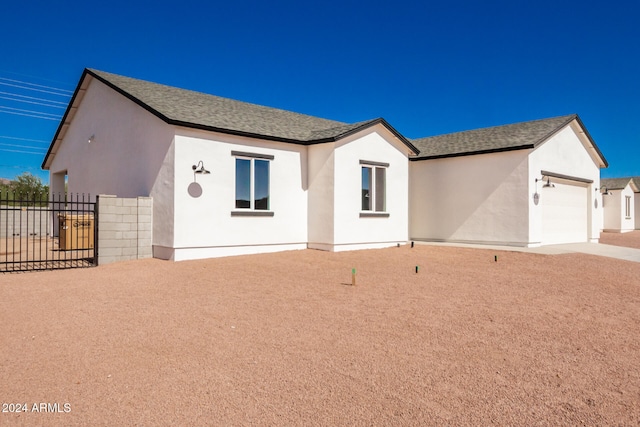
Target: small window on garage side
(374, 183)
(627, 207)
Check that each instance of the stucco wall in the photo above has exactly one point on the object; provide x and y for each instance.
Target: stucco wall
(204, 224)
(129, 148)
(565, 153)
(351, 229)
(636, 210)
(615, 219)
(480, 198)
(321, 196)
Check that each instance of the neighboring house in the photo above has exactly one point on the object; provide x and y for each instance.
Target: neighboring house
(620, 199)
(228, 177)
(525, 184)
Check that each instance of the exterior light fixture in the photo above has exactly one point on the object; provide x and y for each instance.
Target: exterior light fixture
(199, 169)
(548, 184)
(91, 139)
(605, 191)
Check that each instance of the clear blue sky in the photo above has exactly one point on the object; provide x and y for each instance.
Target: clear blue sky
(427, 67)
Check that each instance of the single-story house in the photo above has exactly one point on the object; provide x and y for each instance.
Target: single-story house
(228, 177)
(525, 184)
(620, 200)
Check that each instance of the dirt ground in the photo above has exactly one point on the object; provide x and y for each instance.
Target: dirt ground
(284, 339)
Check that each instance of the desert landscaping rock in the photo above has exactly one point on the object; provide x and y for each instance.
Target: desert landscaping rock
(284, 339)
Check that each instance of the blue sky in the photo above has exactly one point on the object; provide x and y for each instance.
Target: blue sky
(428, 68)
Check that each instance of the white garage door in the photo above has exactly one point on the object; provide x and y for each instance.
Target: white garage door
(564, 214)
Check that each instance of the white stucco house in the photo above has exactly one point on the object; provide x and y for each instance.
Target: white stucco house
(525, 184)
(620, 200)
(228, 177)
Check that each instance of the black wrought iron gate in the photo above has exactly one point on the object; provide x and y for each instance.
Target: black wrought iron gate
(38, 232)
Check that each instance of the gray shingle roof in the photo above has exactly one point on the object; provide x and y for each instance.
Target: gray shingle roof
(196, 109)
(620, 183)
(188, 108)
(494, 139)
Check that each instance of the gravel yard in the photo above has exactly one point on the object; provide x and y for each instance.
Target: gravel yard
(284, 339)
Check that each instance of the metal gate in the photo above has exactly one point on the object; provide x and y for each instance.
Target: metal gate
(38, 232)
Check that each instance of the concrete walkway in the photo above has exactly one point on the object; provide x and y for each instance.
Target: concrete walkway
(598, 249)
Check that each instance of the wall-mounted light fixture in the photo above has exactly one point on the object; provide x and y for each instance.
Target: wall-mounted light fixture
(92, 138)
(200, 169)
(547, 184)
(604, 190)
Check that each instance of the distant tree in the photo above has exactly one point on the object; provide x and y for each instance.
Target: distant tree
(28, 184)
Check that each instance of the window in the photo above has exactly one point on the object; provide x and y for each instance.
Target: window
(374, 186)
(252, 181)
(627, 207)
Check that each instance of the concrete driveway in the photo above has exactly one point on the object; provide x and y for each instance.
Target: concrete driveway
(599, 249)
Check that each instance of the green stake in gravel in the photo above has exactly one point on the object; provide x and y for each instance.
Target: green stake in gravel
(495, 258)
(353, 277)
(417, 269)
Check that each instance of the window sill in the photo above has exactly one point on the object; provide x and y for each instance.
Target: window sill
(374, 214)
(252, 213)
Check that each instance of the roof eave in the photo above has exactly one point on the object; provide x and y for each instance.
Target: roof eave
(366, 125)
(593, 143)
(472, 153)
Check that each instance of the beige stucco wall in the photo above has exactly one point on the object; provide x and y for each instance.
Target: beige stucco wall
(615, 219)
(480, 198)
(130, 154)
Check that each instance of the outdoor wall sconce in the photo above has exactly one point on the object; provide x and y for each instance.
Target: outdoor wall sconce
(91, 139)
(199, 169)
(604, 190)
(548, 184)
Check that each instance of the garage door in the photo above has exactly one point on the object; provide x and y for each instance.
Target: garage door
(564, 213)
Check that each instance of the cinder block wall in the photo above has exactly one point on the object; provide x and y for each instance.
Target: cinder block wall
(124, 228)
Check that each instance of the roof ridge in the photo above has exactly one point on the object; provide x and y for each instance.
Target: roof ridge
(567, 116)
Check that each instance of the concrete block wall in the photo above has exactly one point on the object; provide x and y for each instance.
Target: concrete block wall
(124, 228)
(25, 222)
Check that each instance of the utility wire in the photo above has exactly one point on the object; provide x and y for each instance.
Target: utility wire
(23, 139)
(36, 115)
(30, 111)
(21, 151)
(69, 92)
(34, 98)
(27, 147)
(31, 102)
(37, 90)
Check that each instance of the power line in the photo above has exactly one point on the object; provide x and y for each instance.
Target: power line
(20, 151)
(34, 89)
(23, 146)
(30, 111)
(33, 97)
(35, 115)
(70, 92)
(23, 139)
(30, 102)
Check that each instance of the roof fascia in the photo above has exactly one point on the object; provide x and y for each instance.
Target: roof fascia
(378, 121)
(591, 141)
(472, 153)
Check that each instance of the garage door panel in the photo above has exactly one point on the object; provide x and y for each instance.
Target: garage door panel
(564, 214)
